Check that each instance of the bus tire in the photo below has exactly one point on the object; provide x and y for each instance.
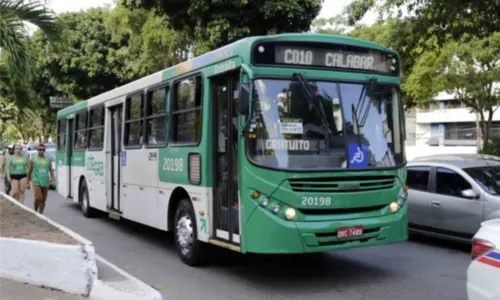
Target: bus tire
(87, 211)
(191, 251)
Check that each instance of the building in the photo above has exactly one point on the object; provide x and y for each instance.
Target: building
(446, 126)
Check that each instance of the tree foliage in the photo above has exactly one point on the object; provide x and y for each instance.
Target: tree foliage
(334, 25)
(440, 18)
(148, 43)
(468, 68)
(15, 15)
(453, 45)
(8, 112)
(213, 24)
(86, 66)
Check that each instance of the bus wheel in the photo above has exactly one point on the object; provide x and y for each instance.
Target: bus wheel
(87, 211)
(190, 250)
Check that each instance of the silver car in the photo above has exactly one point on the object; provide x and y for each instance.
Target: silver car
(450, 197)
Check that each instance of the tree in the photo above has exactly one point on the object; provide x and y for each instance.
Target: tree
(30, 126)
(455, 46)
(8, 111)
(213, 24)
(15, 14)
(334, 25)
(392, 32)
(148, 42)
(468, 68)
(83, 69)
(443, 19)
(399, 35)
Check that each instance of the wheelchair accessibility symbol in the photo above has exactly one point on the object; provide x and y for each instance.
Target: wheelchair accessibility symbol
(357, 156)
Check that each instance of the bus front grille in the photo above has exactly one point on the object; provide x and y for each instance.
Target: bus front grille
(341, 184)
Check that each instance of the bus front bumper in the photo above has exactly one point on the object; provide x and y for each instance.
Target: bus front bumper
(266, 233)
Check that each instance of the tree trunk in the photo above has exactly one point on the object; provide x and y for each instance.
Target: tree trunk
(3, 127)
(486, 127)
(23, 136)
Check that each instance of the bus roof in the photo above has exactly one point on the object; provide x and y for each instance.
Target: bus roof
(240, 48)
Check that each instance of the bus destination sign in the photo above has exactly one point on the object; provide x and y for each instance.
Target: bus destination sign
(329, 56)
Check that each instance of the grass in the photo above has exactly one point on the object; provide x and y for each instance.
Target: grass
(16, 222)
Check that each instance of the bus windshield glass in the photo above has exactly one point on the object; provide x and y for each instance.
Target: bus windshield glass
(303, 124)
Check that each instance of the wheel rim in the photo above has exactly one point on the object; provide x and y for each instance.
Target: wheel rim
(185, 234)
(85, 199)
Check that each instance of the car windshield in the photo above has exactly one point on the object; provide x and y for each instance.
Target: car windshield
(325, 125)
(487, 177)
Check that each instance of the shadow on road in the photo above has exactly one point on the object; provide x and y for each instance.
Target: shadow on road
(451, 246)
(300, 274)
(376, 271)
(133, 230)
(288, 273)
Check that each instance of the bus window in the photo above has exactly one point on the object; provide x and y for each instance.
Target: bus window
(61, 135)
(80, 131)
(156, 117)
(134, 114)
(186, 112)
(96, 128)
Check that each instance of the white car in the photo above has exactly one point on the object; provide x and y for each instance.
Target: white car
(483, 274)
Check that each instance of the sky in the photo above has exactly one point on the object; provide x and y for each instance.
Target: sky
(330, 7)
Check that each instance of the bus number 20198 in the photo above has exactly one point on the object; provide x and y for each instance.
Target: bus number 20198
(173, 164)
(316, 201)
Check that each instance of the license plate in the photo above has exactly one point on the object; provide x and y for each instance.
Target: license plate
(349, 232)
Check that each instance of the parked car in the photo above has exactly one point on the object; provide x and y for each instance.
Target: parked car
(483, 274)
(450, 198)
(458, 157)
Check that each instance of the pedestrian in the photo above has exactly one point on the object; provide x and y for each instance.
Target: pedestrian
(17, 172)
(39, 169)
(4, 166)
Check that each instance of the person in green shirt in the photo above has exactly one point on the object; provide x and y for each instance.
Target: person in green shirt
(17, 173)
(39, 169)
(3, 167)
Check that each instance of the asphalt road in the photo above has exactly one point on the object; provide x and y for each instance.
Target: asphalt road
(420, 269)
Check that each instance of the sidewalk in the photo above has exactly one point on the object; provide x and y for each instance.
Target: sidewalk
(110, 283)
(12, 290)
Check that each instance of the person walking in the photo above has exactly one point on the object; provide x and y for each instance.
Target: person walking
(3, 167)
(39, 169)
(17, 172)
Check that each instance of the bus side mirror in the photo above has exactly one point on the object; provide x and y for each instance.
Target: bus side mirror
(244, 99)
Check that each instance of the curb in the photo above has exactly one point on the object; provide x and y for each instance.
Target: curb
(70, 268)
(132, 289)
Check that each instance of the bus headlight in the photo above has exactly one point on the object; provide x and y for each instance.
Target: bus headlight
(276, 208)
(403, 195)
(290, 213)
(394, 207)
(265, 201)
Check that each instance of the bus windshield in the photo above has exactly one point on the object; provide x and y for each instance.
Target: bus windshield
(325, 125)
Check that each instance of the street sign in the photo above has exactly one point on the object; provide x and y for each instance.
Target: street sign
(60, 102)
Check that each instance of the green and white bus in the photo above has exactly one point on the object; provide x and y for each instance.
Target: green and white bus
(291, 143)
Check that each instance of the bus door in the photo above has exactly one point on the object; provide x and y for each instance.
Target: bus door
(225, 132)
(69, 153)
(116, 156)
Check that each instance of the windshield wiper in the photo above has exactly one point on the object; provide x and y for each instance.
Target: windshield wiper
(361, 101)
(311, 99)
